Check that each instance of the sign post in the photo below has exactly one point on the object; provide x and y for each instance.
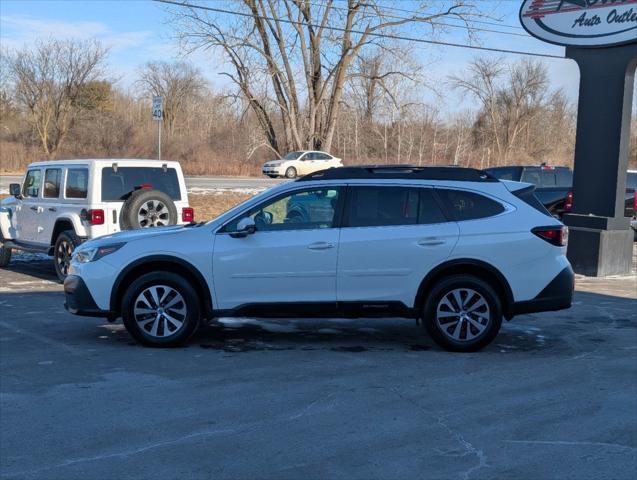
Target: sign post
(601, 36)
(158, 116)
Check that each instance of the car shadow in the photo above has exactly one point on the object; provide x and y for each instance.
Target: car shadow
(35, 265)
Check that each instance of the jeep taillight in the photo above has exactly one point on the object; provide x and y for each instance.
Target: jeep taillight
(568, 203)
(555, 235)
(188, 214)
(96, 216)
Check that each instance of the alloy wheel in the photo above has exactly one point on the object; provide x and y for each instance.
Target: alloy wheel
(160, 311)
(153, 214)
(63, 256)
(462, 314)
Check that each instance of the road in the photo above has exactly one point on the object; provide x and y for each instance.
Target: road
(194, 184)
(555, 396)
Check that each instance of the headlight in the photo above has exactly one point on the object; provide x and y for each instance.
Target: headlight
(92, 254)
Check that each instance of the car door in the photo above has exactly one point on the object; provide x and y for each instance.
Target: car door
(29, 207)
(50, 204)
(290, 259)
(308, 163)
(391, 237)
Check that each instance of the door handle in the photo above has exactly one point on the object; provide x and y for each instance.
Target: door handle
(53, 209)
(320, 246)
(34, 208)
(430, 242)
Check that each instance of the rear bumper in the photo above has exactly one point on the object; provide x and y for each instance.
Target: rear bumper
(79, 300)
(557, 295)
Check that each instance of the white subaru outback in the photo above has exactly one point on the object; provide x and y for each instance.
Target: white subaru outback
(62, 203)
(454, 247)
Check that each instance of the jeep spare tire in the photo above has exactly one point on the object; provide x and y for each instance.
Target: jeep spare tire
(148, 208)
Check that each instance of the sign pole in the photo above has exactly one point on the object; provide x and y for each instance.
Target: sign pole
(159, 140)
(158, 116)
(601, 36)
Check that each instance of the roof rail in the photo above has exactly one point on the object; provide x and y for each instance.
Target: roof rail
(408, 172)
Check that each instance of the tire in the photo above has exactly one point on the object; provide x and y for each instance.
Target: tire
(66, 242)
(152, 328)
(148, 208)
(5, 254)
(478, 319)
(290, 172)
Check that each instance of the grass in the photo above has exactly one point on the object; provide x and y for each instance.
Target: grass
(209, 206)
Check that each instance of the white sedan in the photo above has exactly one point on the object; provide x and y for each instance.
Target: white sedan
(298, 163)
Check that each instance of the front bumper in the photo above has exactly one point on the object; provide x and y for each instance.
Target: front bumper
(271, 171)
(79, 300)
(557, 295)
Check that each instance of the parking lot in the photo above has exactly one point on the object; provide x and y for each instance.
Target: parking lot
(555, 396)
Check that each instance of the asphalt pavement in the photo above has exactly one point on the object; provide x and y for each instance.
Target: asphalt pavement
(555, 396)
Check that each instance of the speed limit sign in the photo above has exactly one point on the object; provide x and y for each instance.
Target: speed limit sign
(158, 108)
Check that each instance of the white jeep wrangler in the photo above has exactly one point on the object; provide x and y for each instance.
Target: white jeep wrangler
(62, 203)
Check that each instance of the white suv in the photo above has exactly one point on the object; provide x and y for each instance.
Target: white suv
(298, 163)
(453, 247)
(62, 203)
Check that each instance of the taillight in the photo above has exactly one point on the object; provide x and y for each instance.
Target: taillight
(568, 203)
(556, 235)
(188, 214)
(635, 202)
(95, 217)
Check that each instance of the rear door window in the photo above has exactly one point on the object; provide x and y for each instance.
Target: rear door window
(76, 183)
(52, 177)
(118, 183)
(631, 180)
(464, 205)
(382, 206)
(31, 187)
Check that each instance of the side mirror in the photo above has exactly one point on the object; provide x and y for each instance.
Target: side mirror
(14, 189)
(245, 227)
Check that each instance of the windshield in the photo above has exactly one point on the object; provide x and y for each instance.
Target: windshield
(293, 155)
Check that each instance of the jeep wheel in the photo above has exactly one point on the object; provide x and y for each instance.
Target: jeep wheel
(65, 244)
(161, 309)
(5, 254)
(463, 313)
(290, 172)
(147, 208)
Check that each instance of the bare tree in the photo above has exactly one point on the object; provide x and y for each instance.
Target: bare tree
(48, 79)
(179, 83)
(291, 59)
(510, 97)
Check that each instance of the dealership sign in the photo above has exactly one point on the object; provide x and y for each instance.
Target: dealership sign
(581, 23)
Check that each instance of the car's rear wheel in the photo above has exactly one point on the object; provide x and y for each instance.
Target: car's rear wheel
(463, 313)
(161, 309)
(290, 172)
(65, 244)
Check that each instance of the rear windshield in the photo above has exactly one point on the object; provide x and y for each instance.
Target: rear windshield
(505, 173)
(118, 183)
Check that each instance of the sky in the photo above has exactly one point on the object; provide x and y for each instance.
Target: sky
(138, 31)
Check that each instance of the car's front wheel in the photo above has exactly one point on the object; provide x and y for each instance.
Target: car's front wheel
(161, 309)
(463, 313)
(290, 172)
